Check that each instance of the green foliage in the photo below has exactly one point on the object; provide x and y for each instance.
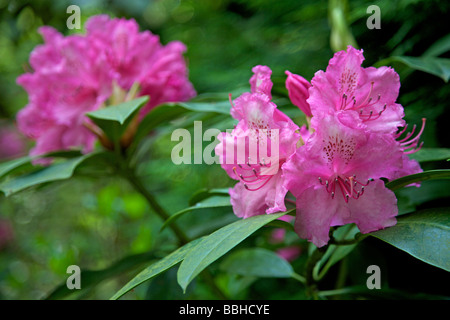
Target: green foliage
(78, 210)
(418, 177)
(156, 268)
(219, 243)
(58, 171)
(114, 120)
(257, 262)
(424, 234)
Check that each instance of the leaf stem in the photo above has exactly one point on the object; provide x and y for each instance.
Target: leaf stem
(138, 185)
(311, 284)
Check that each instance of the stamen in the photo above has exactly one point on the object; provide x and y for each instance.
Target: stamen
(348, 186)
(411, 144)
(261, 186)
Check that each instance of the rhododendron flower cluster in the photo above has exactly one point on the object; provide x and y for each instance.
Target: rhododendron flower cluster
(335, 166)
(261, 188)
(111, 63)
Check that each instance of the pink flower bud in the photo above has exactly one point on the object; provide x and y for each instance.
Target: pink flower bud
(298, 91)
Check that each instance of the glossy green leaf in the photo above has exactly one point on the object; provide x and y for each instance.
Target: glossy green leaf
(58, 171)
(257, 262)
(439, 67)
(11, 165)
(113, 120)
(418, 177)
(212, 202)
(424, 234)
(431, 154)
(25, 163)
(156, 268)
(205, 193)
(219, 243)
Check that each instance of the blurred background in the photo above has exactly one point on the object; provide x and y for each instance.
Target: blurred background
(93, 223)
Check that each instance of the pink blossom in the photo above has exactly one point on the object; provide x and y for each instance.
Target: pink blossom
(370, 93)
(335, 178)
(140, 57)
(261, 125)
(298, 87)
(76, 74)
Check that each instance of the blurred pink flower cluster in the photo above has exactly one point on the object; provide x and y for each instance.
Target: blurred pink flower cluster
(334, 165)
(75, 74)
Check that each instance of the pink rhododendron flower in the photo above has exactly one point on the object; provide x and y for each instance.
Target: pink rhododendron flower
(336, 175)
(263, 138)
(350, 145)
(76, 74)
(369, 93)
(139, 57)
(298, 87)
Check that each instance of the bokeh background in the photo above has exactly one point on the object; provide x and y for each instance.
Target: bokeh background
(96, 222)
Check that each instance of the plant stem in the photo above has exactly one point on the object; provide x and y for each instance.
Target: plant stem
(137, 184)
(299, 278)
(311, 286)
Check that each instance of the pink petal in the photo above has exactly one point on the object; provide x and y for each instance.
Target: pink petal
(260, 82)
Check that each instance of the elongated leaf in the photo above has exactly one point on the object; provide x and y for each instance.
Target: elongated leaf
(424, 234)
(91, 278)
(165, 113)
(213, 202)
(257, 262)
(58, 171)
(25, 163)
(431, 154)
(156, 268)
(219, 243)
(205, 193)
(439, 47)
(113, 120)
(9, 166)
(418, 177)
(439, 67)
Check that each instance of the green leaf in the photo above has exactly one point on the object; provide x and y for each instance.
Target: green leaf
(167, 112)
(424, 234)
(439, 47)
(212, 202)
(418, 177)
(114, 120)
(205, 193)
(9, 166)
(58, 171)
(431, 154)
(439, 67)
(91, 278)
(25, 163)
(219, 243)
(156, 268)
(257, 262)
